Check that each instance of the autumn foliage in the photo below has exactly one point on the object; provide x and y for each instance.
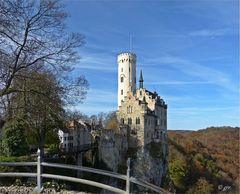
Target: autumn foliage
(204, 161)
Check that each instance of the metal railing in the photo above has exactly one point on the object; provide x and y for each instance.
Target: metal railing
(40, 175)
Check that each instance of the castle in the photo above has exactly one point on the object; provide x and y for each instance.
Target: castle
(144, 111)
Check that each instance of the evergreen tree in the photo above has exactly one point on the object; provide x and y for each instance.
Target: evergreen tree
(14, 139)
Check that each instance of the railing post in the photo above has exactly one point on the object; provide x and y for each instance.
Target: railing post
(39, 187)
(128, 177)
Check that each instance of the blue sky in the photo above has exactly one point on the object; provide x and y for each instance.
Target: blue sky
(188, 51)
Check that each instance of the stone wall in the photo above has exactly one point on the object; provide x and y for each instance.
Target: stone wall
(112, 147)
(132, 109)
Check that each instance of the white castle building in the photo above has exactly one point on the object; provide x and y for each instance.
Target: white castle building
(144, 111)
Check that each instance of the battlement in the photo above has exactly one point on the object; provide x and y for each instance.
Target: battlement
(126, 57)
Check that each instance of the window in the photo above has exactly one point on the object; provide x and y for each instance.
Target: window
(122, 79)
(137, 121)
(158, 136)
(141, 93)
(121, 92)
(122, 120)
(129, 121)
(129, 109)
(65, 138)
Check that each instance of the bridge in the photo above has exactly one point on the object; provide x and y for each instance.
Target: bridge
(40, 174)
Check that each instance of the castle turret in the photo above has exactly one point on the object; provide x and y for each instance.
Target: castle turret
(126, 75)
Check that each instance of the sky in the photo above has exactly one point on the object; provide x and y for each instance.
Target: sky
(188, 51)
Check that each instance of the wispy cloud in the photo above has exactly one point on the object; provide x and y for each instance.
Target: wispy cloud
(180, 82)
(92, 109)
(194, 110)
(101, 96)
(206, 74)
(100, 62)
(213, 32)
(97, 101)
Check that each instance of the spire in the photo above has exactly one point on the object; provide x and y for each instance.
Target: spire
(141, 80)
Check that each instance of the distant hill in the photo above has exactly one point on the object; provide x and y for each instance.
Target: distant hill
(204, 161)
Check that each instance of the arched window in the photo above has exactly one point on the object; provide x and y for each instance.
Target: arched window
(122, 79)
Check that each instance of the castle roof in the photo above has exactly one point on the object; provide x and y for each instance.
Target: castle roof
(154, 95)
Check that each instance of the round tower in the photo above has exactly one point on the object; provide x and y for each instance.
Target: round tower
(126, 75)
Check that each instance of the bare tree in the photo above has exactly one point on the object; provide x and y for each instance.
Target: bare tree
(36, 53)
(32, 36)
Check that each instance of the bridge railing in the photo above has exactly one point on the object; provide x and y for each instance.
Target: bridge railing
(40, 175)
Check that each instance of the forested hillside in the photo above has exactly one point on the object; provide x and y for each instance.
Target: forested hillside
(204, 161)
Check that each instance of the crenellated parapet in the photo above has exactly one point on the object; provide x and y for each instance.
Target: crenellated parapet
(127, 57)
